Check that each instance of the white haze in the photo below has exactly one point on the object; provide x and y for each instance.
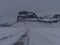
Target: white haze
(10, 8)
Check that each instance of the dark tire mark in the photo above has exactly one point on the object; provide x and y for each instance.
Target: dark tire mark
(5, 37)
(24, 40)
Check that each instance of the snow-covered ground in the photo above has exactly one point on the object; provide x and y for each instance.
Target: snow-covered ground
(8, 36)
(45, 36)
(39, 34)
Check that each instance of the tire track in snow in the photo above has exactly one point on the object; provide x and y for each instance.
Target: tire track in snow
(24, 39)
(6, 37)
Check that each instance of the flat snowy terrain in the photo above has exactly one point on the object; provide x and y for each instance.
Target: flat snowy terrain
(30, 33)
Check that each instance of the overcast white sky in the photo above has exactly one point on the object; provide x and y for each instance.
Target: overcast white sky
(12, 7)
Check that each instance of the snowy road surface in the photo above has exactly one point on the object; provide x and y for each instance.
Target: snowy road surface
(29, 33)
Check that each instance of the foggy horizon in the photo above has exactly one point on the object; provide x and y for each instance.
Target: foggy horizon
(12, 7)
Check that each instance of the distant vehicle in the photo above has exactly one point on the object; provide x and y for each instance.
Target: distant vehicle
(24, 15)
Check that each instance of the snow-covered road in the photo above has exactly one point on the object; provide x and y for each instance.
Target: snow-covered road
(29, 33)
(45, 36)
